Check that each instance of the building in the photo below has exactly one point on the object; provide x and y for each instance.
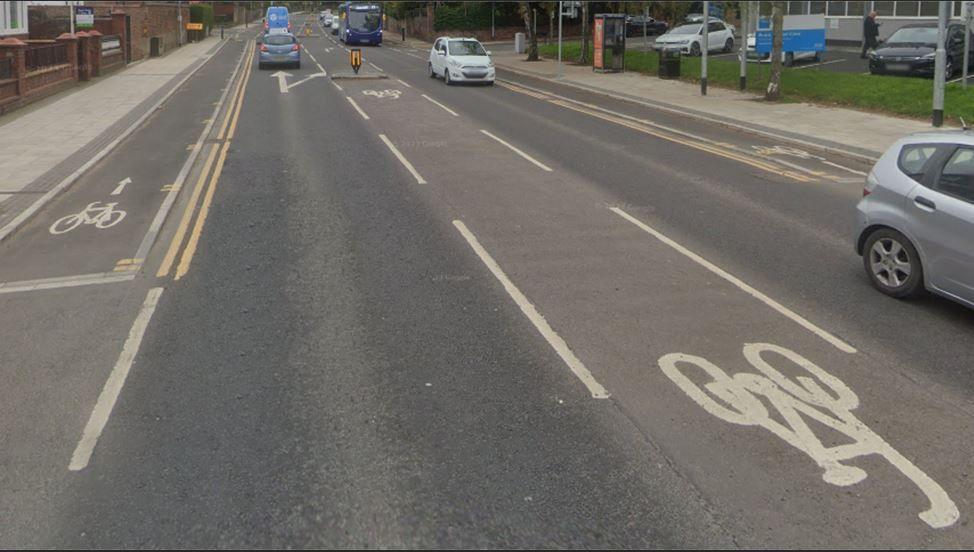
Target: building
(843, 20)
(13, 19)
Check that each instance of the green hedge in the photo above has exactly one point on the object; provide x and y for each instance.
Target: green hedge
(473, 16)
(202, 13)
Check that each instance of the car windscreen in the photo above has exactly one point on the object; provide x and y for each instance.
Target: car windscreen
(363, 22)
(686, 30)
(279, 39)
(466, 48)
(914, 35)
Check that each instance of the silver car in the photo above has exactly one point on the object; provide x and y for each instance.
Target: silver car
(915, 222)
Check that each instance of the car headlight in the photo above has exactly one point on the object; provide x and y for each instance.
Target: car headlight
(873, 55)
(931, 55)
(490, 64)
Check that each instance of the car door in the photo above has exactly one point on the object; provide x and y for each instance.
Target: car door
(717, 36)
(943, 216)
(437, 60)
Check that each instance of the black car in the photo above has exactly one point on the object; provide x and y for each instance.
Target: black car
(634, 26)
(912, 50)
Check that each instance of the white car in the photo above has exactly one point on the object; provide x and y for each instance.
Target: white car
(327, 20)
(460, 60)
(788, 58)
(689, 38)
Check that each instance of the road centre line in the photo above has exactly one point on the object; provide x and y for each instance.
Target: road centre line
(445, 108)
(550, 335)
(357, 108)
(402, 159)
(788, 313)
(113, 386)
(519, 152)
(404, 83)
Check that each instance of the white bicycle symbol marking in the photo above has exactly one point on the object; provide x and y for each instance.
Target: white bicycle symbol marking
(102, 216)
(739, 404)
(394, 94)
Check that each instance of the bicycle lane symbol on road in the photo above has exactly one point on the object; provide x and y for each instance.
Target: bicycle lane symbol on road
(100, 215)
(737, 399)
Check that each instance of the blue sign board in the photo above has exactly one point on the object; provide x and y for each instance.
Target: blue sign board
(793, 40)
(716, 10)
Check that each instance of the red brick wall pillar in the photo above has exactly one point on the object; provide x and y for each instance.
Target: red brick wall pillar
(17, 50)
(118, 27)
(95, 60)
(84, 56)
(71, 41)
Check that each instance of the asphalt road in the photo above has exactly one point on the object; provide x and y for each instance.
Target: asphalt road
(385, 312)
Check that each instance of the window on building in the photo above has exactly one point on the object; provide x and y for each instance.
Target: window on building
(907, 9)
(816, 7)
(13, 17)
(929, 9)
(797, 8)
(958, 8)
(856, 8)
(883, 8)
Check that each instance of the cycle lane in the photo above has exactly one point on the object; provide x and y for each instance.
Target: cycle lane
(853, 453)
(97, 225)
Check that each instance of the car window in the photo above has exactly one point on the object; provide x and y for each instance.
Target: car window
(714, 27)
(466, 48)
(436, 45)
(915, 160)
(957, 178)
(279, 39)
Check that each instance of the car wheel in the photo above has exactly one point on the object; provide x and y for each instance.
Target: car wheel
(446, 76)
(729, 45)
(432, 73)
(948, 68)
(893, 264)
(695, 49)
(789, 59)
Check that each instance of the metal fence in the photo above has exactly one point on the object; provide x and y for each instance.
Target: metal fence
(6, 69)
(40, 56)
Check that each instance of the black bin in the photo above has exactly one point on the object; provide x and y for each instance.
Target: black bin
(669, 63)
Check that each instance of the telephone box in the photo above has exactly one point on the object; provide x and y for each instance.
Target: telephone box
(609, 37)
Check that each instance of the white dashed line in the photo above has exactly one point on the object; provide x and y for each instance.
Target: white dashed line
(519, 152)
(406, 84)
(357, 108)
(445, 108)
(402, 159)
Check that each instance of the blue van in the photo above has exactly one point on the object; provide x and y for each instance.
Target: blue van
(277, 20)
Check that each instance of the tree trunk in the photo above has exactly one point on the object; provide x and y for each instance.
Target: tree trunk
(527, 9)
(583, 56)
(777, 21)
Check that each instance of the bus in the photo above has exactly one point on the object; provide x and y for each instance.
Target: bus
(360, 23)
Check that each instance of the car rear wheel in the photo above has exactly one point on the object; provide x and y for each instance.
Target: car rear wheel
(429, 67)
(893, 264)
(694, 49)
(446, 76)
(789, 59)
(729, 45)
(948, 68)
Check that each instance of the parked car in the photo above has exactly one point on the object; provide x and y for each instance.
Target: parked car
(915, 222)
(689, 38)
(634, 25)
(327, 20)
(334, 25)
(460, 60)
(788, 58)
(912, 49)
(279, 49)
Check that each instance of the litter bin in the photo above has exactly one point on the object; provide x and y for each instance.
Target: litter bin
(519, 40)
(669, 63)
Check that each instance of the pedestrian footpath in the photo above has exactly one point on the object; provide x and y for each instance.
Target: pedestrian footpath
(859, 133)
(46, 146)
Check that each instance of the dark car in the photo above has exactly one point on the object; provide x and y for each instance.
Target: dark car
(634, 25)
(912, 50)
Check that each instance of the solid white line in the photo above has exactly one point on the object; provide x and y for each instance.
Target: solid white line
(357, 108)
(377, 68)
(836, 165)
(445, 108)
(320, 68)
(65, 281)
(113, 387)
(836, 342)
(555, 340)
(406, 84)
(819, 64)
(121, 185)
(519, 152)
(337, 86)
(403, 160)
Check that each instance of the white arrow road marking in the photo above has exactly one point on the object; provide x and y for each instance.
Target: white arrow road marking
(306, 79)
(282, 80)
(121, 186)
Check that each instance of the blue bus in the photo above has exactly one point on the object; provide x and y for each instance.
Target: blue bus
(360, 23)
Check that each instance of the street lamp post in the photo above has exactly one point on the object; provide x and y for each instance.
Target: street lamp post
(967, 39)
(939, 76)
(705, 48)
(743, 48)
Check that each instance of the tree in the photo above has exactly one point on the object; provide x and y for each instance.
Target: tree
(583, 56)
(527, 11)
(777, 22)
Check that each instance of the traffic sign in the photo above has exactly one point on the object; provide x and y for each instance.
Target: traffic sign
(194, 26)
(355, 59)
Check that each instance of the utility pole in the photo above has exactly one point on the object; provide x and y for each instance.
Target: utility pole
(967, 39)
(940, 65)
(743, 49)
(492, 34)
(705, 48)
(645, 17)
(71, 15)
(179, 23)
(560, 12)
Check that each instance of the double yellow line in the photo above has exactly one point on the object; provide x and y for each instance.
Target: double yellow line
(227, 129)
(709, 148)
